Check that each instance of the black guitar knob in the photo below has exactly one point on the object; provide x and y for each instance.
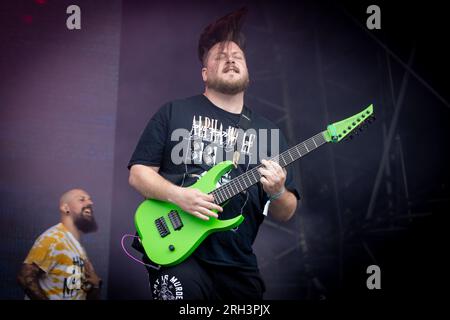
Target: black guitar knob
(171, 247)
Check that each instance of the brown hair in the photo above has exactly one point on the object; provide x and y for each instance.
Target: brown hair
(227, 28)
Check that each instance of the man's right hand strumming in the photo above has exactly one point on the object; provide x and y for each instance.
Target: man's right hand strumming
(151, 184)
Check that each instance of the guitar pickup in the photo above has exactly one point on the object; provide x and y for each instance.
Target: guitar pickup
(162, 227)
(175, 219)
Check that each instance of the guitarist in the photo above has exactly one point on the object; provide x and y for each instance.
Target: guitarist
(224, 266)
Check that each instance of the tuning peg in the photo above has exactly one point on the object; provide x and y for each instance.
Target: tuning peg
(349, 137)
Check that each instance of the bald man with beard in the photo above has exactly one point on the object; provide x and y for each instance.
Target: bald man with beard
(57, 266)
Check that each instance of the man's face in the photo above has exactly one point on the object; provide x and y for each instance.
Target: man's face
(82, 211)
(225, 69)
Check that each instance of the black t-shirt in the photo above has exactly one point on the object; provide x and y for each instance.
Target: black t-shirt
(187, 137)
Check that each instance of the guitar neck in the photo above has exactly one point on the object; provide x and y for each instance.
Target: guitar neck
(251, 177)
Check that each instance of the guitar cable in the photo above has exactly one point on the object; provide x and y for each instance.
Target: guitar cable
(131, 256)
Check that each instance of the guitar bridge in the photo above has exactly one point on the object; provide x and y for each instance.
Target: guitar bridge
(162, 227)
(175, 219)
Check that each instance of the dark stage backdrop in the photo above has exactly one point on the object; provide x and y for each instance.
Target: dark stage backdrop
(74, 103)
(58, 102)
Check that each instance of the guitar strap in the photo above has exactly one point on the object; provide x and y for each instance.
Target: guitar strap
(245, 119)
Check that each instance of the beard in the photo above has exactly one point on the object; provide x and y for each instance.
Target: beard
(85, 224)
(228, 87)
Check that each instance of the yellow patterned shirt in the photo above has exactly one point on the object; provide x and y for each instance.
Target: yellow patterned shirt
(62, 257)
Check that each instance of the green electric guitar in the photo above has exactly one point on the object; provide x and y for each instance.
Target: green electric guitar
(169, 235)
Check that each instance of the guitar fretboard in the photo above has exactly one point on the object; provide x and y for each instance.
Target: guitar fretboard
(252, 176)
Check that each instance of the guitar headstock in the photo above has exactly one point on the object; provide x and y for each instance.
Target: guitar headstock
(338, 131)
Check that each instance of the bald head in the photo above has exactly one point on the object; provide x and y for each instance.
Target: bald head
(70, 195)
(76, 208)
(73, 200)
